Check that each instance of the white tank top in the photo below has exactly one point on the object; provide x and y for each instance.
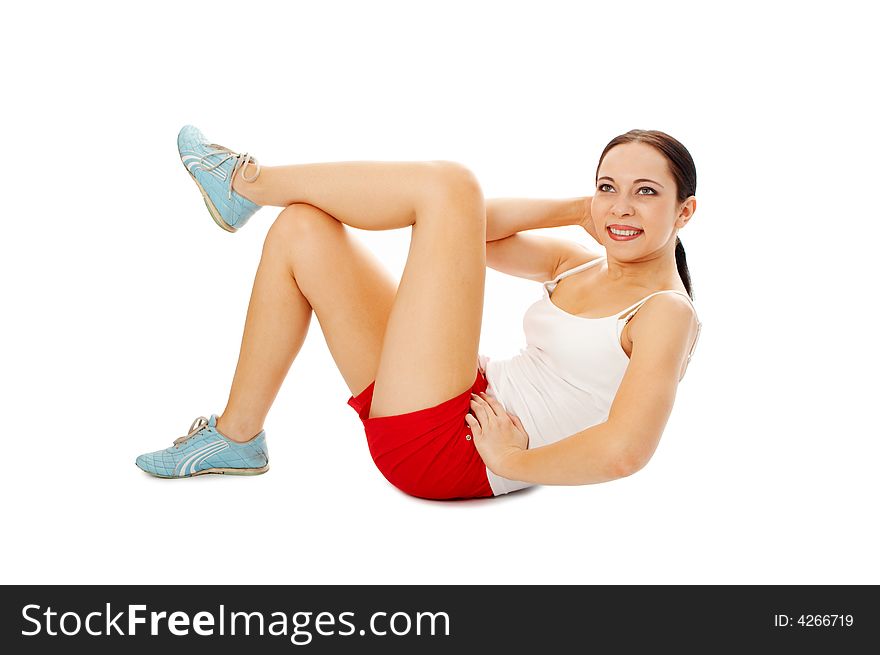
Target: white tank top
(566, 377)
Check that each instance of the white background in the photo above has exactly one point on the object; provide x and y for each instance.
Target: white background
(123, 303)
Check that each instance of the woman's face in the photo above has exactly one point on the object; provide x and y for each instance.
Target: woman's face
(636, 193)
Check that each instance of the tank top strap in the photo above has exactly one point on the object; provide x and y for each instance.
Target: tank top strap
(576, 269)
(632, 309)
(696, 339)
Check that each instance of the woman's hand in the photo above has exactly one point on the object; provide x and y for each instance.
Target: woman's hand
(500, 437)
(586, 220)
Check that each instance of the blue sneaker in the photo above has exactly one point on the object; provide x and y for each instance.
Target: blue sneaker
(204, 450)
(213, 167)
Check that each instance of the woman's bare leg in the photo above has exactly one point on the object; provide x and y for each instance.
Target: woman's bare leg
(370, 195)
(429, 352)
(309, 261)
(277, 321)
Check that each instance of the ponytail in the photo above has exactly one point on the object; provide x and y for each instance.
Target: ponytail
(681, 263)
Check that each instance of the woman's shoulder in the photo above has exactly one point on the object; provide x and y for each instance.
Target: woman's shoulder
(668, 305)
(667, 320)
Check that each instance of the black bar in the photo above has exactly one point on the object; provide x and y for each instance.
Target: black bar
(518, 618)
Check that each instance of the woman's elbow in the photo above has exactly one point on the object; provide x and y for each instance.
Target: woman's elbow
(623, 462)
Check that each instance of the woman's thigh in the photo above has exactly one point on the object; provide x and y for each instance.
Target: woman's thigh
(348, 288)
(429, 353)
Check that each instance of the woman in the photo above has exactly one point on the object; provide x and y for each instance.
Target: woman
(586, 401)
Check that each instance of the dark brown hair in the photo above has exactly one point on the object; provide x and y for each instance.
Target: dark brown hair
(683, 170)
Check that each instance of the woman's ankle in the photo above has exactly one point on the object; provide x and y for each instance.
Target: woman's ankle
(250, 190)
(236, 430)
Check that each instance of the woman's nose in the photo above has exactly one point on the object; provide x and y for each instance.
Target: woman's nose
(621, 208)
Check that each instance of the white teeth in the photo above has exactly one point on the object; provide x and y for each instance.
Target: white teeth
(624, 233)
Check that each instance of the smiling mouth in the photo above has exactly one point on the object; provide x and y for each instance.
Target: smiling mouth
(623, 234)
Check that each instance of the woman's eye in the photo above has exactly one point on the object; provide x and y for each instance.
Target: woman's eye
(653, 192)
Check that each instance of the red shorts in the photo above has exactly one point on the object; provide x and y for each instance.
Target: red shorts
(428, 453)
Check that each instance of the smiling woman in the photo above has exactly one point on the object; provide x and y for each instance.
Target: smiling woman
(595, 385)
(678, 167)
(584, 402)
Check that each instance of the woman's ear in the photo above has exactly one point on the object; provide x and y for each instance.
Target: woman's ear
(686, 211)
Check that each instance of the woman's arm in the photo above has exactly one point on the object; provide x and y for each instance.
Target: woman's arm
(507, 216)
(626, 441)
(510, 250)
(534, 257)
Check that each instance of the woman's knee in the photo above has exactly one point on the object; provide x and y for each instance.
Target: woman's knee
(453, 181)
(301, 225)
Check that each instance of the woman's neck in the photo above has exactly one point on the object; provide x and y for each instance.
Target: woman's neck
(655, 272)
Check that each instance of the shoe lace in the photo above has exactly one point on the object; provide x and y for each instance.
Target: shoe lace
(241, 160)
(197, 426)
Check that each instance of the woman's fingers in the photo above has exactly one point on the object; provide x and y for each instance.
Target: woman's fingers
(487, 411)
(492, 406)
(474, 425)
(497, 407)
(480, 409)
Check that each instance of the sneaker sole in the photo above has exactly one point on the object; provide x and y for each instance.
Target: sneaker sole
(210, 205)
(219, 471)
